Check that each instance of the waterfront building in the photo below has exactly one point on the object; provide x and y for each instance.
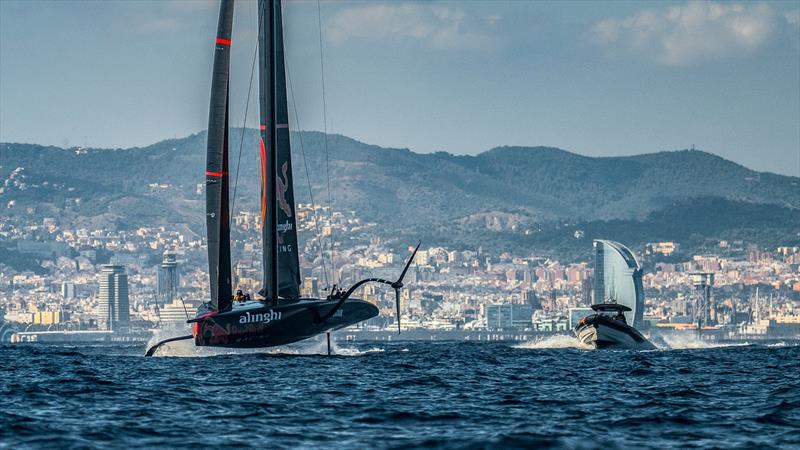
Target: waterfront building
(430, 302)
(177, 312)
(618, 279)
(67, 290)
(504, 316)
(49, 316)
(664, 248)
(586, 290)
(781, 327)
(114, 308)
(529, 298)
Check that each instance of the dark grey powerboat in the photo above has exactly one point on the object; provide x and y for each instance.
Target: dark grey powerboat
(607, 328)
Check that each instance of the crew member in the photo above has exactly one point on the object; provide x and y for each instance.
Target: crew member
(239, 297)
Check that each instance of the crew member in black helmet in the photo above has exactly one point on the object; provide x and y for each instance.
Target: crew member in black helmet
(239, 297)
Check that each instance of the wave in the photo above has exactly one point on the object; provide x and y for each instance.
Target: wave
(689, 342)
(661, 341)
(187, 349)
(346, 351)
(793, 343)
(558, 341)
(319, 348)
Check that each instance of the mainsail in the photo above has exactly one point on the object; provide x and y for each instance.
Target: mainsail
(258, 324)
(279, 226)
(217, 180)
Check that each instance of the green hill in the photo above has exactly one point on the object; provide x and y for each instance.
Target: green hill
(501, 191)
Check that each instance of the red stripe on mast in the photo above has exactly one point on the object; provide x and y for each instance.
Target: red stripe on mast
(216, 174)
(223, 41)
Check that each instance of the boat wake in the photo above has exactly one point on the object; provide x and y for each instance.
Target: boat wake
(783, 344)
(187, 349)
(319, 348)
(350, 351)
(559, 341)
(662, 342)
(689, 342)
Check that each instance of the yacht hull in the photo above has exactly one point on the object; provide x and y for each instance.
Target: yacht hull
(256, 324)
(602, 332)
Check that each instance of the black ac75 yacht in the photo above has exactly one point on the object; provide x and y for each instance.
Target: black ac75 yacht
(282, 316)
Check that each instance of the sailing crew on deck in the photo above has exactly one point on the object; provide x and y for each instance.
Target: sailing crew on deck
(239, 297)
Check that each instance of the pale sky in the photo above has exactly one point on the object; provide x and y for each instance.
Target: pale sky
(595, 78)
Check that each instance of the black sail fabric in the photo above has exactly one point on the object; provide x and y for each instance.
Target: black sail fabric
(279, 230)
(265, 51)
(217, 214)
(288, 258)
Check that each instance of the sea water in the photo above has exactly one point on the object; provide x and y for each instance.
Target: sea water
(548, 393)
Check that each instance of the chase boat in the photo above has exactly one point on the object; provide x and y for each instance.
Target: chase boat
(607, 328)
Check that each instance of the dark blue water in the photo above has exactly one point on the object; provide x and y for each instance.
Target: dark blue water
(448, 395)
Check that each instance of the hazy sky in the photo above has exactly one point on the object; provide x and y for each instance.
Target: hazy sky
(595, 78)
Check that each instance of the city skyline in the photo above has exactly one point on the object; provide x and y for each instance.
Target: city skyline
(448, 288)
(595, 240)
(522, 73)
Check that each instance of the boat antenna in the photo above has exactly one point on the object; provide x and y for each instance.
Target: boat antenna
(244, 122)
(308, 177)
(325, 140)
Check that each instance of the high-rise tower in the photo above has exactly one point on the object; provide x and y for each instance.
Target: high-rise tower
(67, 290)
(114, 306)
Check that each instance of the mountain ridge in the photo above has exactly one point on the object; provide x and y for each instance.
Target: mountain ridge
(399, 189)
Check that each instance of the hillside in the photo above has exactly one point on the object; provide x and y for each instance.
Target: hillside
(503, 190)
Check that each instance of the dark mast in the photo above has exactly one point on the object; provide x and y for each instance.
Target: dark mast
(279, 228)
(217, 180)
